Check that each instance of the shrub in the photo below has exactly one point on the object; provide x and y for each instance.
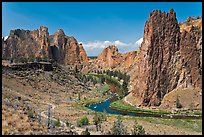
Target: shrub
(57, 123)
(118, 128)
(82, 121)
(67, 123)
(98, 118)
(138, 129)
(30, 114)
(178, 104)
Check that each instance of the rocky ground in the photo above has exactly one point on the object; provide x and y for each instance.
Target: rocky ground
(31, 91)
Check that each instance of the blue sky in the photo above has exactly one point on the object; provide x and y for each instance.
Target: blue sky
(95, 24)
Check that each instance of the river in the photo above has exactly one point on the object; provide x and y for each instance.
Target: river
(104, 107)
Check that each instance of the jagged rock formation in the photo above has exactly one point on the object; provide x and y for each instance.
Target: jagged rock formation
(110, 58)
(191, 22)
(39, 44)
(167, 59)
(191, 57)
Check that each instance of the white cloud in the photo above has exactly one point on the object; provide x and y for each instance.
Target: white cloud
(95, 47)
(5, 37)
(139, 41)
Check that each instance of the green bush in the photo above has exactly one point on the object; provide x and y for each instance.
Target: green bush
(178, 104)
(83, 121)
(138, 129)
(118, 128)
(57, 123)
(30, 114)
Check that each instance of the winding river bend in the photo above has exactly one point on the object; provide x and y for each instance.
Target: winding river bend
(104, 107)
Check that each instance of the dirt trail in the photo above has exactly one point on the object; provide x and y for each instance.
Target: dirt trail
(77, 129)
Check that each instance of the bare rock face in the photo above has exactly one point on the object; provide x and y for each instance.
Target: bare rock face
(129, 59)
(167, 59)
(25, 43)
(3, 45)
(110, 58)
(158, 53)
(191, 58)
(191, 22)
(75, 53)
(39, 44)
(41, 37)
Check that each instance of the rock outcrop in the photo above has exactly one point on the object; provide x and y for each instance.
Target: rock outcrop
(167, 59)
(39, 44)
(110, 58)
(191, 58)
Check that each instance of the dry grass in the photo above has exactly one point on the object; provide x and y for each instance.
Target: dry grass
(189, 98)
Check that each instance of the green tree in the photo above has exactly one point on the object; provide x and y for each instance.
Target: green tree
(102, 80)
(118, 128)
(111, 73)
(125, 88)
(178, 104)
(138, 129)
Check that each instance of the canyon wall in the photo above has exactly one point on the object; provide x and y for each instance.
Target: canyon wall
(168, 58)
(39, 44)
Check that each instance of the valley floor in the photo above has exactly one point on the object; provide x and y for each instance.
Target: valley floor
(26, 96)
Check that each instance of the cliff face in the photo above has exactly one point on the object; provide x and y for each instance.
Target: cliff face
(110, 58)
(38, 43)
(168, 59)
(191, 58)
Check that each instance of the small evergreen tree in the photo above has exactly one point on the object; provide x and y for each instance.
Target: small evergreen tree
(125, 89)
(102, 80)
(118, 128)
(178, 104)
(111, 73)
(138, 129)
